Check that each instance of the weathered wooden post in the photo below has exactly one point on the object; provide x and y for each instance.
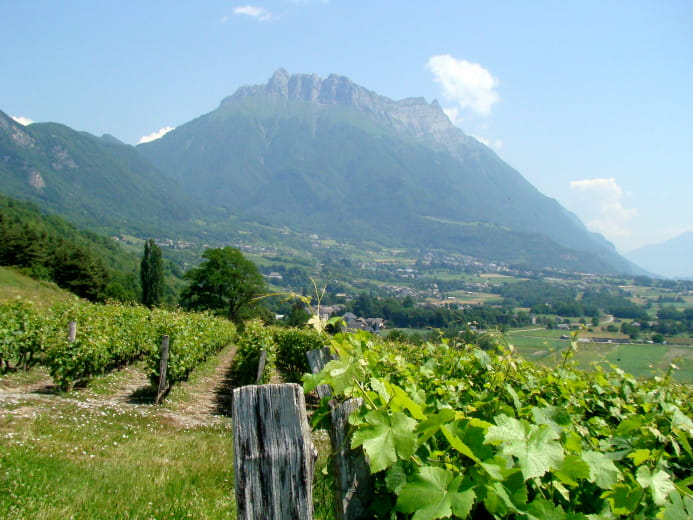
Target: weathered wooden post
(163, 368)
(261, 366)
(353, 490)
(317, 359)
(72, 331)
(273, 453)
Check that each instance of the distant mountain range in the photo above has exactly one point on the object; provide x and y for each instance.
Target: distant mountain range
(315, 155)
(673, 258)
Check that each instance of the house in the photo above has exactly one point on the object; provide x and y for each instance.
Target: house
(353, 323)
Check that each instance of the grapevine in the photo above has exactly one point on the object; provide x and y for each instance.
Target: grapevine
(466, 433)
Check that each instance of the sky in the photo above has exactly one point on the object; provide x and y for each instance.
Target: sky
(591, 101)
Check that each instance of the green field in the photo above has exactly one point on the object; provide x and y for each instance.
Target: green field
(640, 360)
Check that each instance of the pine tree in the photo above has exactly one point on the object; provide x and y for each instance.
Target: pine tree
(152, 274)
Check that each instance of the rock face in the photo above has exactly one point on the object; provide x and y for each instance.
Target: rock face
(412, 117)
(331, 157)
(18, 135)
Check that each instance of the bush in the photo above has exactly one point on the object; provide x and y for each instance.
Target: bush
(255, 338)
(292, 346)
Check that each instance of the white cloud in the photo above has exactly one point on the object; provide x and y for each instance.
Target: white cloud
(260, 13)
(155, 135)
(469, 85)
(601, 206)
(22, 120)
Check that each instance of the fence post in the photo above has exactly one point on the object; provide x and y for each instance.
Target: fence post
(163, 367)
(72, 331)
(351, 471)
(261, 366)
(273, 453)
(352, 474)
(317, 359)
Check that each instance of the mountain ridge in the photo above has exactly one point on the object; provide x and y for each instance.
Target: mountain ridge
(97, 182)
(670, 258)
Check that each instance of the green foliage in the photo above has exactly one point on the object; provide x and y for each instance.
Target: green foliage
(193, 337)
(108, 337)
(21, 336)
(465, 433)
(225, 282)
(254, 339)
(152, 274)
(292, 346)
(47, 247)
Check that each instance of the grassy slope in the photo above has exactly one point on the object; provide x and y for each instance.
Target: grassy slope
(15, 285)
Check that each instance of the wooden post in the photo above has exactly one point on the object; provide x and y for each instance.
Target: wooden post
(163, 367)
(317, 359)
(273, 453)
(261, 366)
(353, 490)
(72, 331)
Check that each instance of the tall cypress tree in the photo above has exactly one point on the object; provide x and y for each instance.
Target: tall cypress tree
(152, 274)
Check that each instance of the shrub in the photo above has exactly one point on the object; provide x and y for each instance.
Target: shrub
(255, 338)
(292, 345)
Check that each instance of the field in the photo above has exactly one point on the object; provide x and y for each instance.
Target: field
(646, 360)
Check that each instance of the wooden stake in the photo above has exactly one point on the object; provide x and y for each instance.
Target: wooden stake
(273, 453)
(163, 367)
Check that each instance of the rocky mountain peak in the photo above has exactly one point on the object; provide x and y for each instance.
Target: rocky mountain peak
(414, 116)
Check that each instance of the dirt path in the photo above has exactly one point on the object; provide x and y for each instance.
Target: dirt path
(205, 400)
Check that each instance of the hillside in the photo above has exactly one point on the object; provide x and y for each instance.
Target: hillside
(670, 258)
(98, 183)
(330, 157)
(49, 248)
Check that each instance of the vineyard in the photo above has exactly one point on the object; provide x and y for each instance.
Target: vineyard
(450, 430)
(109, 336)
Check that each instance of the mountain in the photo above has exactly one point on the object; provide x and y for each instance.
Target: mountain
(331, 157)
(671, 258)
(99, 183)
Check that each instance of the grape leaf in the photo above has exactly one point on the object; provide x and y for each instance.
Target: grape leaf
(603, 471)
(659, 483)
(385, 438)
(535, 447)
(623, 499)
(572, 469)
(435, 493)
(541, 509)
(678, 508)
(433, 423)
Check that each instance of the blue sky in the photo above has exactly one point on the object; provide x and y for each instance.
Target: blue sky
(591, 101)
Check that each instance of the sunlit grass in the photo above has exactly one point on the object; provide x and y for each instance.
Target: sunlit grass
(72, 459)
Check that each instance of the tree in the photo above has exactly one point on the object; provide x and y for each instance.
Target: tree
(78, 271)
(225, 281)
(152, 274)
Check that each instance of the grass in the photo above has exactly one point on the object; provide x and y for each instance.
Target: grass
(15, 285)
(89, 455)
(75, 460)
